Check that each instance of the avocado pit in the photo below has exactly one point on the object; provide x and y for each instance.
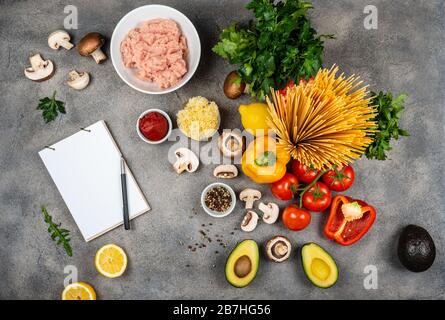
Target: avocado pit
(243, 266)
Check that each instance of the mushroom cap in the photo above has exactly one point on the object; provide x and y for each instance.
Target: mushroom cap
(270, 211)
(55, 37)
(278, 248)
(226, 171)
(231, 144)
(78, 80)
(250, 221)
(90, 43)
(40, 69)
(186, 159)
(246, 193)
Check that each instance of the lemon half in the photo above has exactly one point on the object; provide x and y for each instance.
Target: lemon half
(79, 291)
(111, 261)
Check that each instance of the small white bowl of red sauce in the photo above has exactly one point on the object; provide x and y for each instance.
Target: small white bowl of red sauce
(154, 126)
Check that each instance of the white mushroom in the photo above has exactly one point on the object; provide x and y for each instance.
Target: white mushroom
(60, 38)
(250, 196)
(278, 249)
(231, 144)
(250, 221)
(40, 69)
(270, 212)
(78, 80)
(186, 160)
(226, 171)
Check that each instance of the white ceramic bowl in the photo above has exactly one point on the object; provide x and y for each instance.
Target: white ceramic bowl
(170, 126)
(132, 20)
(215, 213)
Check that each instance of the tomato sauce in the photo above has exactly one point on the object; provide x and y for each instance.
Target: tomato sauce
(154, 126)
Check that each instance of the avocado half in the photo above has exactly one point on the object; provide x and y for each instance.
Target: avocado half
(318, 265)
(242, 264)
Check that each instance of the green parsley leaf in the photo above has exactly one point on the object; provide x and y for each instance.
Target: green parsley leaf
(51, 107)
(389, 112)
(278, 46)
(60, 235)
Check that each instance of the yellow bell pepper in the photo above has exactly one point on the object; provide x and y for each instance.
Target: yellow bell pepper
(253, 118)
(263, 162)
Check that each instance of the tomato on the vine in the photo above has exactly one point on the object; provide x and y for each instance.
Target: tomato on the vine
(304, 173)
(295, 218)
(317, 198)
(285, 188)
(339, 180)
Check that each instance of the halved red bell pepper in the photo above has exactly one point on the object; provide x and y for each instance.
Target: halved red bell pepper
(346, 231)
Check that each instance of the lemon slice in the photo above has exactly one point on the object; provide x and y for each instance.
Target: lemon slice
(79, 291)
(111, 261)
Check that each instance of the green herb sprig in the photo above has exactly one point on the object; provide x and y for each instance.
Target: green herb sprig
(60, 235)
(51, 107)
(389, 112)
(279, 46)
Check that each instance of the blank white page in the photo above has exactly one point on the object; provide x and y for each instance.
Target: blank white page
(86, 169)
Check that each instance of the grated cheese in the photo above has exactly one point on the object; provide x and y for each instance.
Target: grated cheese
(199, 119)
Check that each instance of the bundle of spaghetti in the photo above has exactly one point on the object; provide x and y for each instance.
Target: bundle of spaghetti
(326, 122)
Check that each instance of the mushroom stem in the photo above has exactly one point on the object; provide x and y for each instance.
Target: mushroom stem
(98, 55)
(37, 62)
(280, 249)
(66, 44)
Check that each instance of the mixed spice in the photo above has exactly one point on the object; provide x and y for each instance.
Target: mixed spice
(218, 199)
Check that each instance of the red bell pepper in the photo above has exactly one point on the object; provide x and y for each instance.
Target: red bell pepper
(346, 230)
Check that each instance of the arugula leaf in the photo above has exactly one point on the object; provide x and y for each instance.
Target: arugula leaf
(51, 107)
(60, 235)
(389, 112)
(279, 46)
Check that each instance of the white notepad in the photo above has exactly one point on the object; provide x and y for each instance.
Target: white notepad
(86, 169)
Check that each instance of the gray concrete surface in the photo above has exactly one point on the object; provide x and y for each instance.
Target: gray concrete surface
(405, 54)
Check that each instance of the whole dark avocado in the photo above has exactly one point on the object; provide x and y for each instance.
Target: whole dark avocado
(416, 249)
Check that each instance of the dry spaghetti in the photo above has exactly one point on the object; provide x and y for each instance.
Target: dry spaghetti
(324, 122)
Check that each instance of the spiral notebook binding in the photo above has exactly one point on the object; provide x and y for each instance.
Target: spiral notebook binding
(54, 149)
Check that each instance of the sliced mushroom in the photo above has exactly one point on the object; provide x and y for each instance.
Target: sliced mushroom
(78, 80)
(60, 38)
(90, 45)
(40, 69)
(270, 212)
(249, 196)
(278, 249)
(186, 160)
(226, 171)
(231, 144)
(250, 221)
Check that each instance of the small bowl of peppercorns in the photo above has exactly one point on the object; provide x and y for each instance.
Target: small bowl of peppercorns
(218, 200)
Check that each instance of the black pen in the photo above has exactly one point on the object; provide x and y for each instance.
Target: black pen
(124, 195)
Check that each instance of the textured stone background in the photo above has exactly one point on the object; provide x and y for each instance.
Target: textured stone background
(406, 54)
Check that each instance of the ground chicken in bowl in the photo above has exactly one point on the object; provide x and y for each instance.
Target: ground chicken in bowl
(158, 50)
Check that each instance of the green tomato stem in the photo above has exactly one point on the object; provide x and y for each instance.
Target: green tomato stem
(310, 185)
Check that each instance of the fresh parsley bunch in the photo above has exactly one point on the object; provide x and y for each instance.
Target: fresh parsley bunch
(389, 112)
(278, 46)
(51, 107)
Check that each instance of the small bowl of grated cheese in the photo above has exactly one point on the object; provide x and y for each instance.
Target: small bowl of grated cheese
(199, 119)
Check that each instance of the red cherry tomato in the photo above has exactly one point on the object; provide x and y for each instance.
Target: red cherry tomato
(304, 173)
(339, 179)
(317, 198)
(285, 188)
(296, 219)
(284, 90)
